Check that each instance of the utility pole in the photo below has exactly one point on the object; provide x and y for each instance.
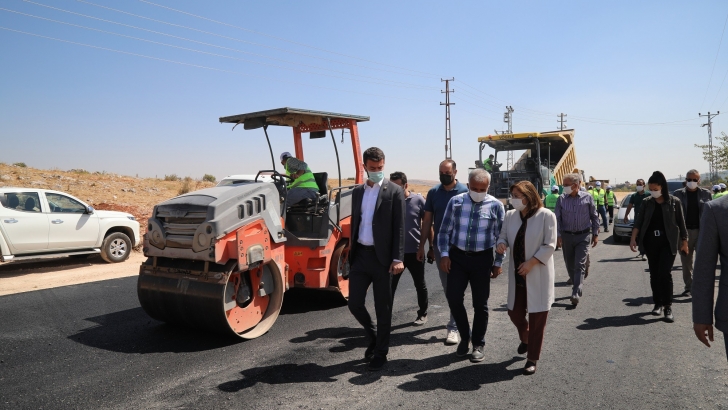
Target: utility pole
(711, 162)
(562, 120)
(447, 104)
(508, 118)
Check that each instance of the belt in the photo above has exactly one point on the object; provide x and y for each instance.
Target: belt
(587, 230)
(365, 247)
(455, 249)
(658, 233)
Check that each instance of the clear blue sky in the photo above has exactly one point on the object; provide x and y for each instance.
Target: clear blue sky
(605, 64)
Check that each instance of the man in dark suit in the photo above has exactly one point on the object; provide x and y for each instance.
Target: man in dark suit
(376, 253)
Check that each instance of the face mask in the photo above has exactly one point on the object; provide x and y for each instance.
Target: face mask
(477, 196)
(692, 185)
(446, 179)
(656, 194)
(376, 177)
(640, 188)
(518, 204)
(567, 190)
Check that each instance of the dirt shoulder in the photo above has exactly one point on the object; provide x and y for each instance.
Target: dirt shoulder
(19, 277)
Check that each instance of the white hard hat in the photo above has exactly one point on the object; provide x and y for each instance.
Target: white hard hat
(721, 185)
(599, 183)
(609, 187)
(716, 187)
(554, 187)
(286, 155)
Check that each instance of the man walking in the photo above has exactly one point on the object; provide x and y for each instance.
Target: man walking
(611, 201)
(414, 212)
(437, 199)
(469, 232)
(576, 218)
(635, 202)
(599, 200)
(377, 251)
(692, 198)
(712, 244)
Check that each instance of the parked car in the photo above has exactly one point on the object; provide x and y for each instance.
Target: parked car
(243, 179)
(38, 223)
(621, 229)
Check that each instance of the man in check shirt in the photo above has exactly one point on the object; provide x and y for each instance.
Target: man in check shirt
(576, 217)
(467, 236)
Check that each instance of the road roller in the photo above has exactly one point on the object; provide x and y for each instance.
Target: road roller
(222, 258)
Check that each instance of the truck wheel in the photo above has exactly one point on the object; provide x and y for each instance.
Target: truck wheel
(116, 248)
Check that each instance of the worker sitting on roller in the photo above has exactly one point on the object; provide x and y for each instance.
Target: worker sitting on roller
(488, 163)
(303, 184)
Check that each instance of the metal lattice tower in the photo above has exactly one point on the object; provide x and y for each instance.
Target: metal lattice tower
(508, 118)
(562, 121)
(711, 162)
(447, 104)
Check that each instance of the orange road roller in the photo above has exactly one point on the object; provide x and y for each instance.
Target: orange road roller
(222, 258)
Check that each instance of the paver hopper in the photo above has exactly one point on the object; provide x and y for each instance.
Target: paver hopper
(222, 258)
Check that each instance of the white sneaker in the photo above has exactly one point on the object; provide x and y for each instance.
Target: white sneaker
(453, 337)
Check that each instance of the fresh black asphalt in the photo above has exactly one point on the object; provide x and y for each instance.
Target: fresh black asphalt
(92, 346)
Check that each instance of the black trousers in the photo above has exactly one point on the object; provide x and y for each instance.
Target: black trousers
(417, 269)
(474, 270)
(610, 210)
(366, 271)
(660, 260)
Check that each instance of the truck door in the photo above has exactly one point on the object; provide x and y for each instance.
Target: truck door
(70, 225)
(23, 224)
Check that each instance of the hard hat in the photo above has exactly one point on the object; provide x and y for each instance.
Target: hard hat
(286, 155)
(599, 183)
(609, 187)
(716, 187)
(721, 185)
(554, 188)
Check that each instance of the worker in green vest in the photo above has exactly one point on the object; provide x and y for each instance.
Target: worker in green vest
(550, 200)
(488, 163)
(303, 185)
(600, 201)
(611, 201)
(716, 192)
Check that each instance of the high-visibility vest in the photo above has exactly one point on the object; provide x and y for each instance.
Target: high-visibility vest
(306, 180)
(550, 201)
(718, 195)
(599, 196)
(610, 198)
(488, 165)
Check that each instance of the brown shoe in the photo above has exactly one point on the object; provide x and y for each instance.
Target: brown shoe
(530, 368)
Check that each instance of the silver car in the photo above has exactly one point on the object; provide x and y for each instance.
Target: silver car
(621, 229)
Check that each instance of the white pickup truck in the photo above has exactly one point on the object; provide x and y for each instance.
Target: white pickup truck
(40, 223)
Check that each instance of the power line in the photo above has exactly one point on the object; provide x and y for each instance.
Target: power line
(562, 121)
(447, 104)
(709, 124)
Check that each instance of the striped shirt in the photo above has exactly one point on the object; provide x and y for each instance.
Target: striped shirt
(577, 213)
(471, 226)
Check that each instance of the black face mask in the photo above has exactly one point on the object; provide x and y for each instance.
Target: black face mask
(446, 179)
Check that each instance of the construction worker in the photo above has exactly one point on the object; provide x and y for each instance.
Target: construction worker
(550, 200)
(600, 201)
(716, 192)
(303, 185)
(722, 188)
(488, 163)
(611, 201)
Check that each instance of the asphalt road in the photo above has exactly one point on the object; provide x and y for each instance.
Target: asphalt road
(92, 346)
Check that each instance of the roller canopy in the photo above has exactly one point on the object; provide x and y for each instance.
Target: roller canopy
(289, 117)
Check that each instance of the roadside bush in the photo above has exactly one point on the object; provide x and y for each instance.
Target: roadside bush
(20, 164)
(209, 178)
(186, 186)
(172, 177)
(79, 171)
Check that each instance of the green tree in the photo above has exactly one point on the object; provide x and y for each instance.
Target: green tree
(720, 152)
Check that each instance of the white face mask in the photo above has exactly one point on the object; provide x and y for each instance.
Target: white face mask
(656, 194)
(518, 204)
(692, 185)
(567, 190)
(477, 196)
(640, 188)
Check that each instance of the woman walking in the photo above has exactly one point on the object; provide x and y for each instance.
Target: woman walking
(658, 231)
(530, 231)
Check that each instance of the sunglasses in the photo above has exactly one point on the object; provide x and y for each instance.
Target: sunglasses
(691, 180)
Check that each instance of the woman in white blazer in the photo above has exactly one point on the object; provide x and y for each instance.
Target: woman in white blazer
(530, 267)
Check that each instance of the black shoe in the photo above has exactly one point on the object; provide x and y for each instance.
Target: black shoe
(530, 368)
(570, 281)
(369, 353)
(685, 293)
(463, 348)
(606, 230)
(477, 355)
(377, 363)
(522, 348)
(668, 314)
(657, 311)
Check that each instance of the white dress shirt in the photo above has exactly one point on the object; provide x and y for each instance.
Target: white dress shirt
(368, 205)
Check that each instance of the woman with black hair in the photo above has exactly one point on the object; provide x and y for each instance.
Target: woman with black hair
(659, 230)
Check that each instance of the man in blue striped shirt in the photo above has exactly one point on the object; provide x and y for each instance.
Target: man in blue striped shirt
(467, 236)
(576, 217)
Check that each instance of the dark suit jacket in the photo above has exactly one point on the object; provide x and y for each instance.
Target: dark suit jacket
(387, 224)
(712, 245)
